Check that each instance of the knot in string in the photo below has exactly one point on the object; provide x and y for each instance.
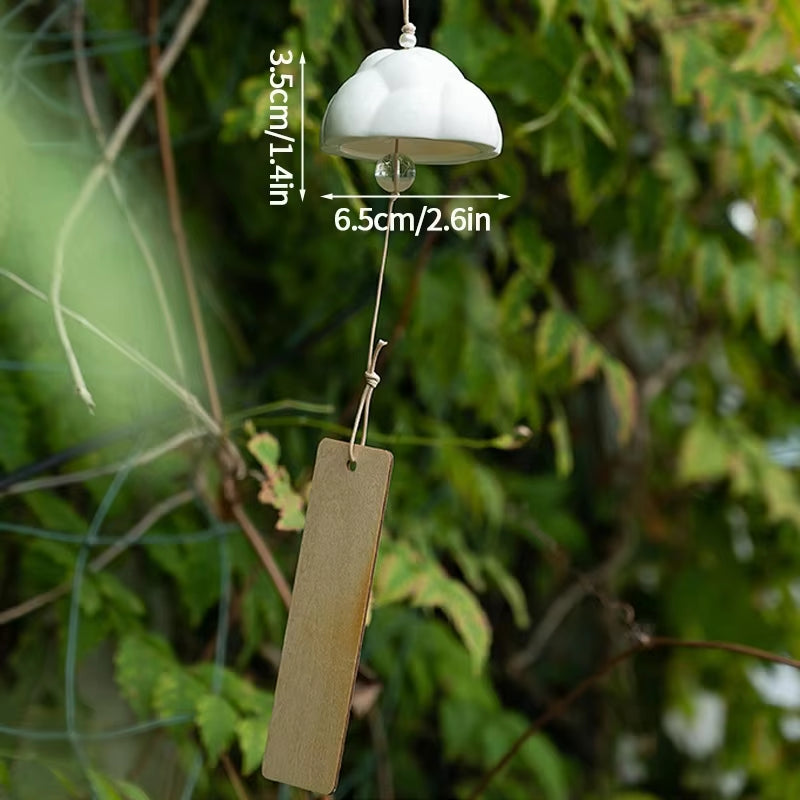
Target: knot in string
(409, 27)
(372, 380)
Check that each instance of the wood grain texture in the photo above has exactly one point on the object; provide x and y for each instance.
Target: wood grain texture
(326, 617)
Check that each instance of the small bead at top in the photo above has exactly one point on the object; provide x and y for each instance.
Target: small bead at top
(407, 38)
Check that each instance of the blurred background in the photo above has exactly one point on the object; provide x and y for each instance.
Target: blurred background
(593, 402)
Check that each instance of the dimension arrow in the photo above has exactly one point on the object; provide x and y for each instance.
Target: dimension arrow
(302, 126)
(415, 196)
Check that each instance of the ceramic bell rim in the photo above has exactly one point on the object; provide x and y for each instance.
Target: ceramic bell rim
(416, 96)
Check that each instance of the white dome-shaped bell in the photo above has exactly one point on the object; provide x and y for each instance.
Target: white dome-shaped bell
(416, 96)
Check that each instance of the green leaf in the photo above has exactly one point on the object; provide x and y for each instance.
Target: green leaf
(741, 288)
(690, 55)
(766, 50)
(554, 335)
(103, 787)
(548, 8)
(320, 19)
(402, 573)
(772, 304)
(781, 495)
(185, 563)
(793, 323)
(674, 166)
(14, 425)
(141, 659)
(176, 693)
(396, 575)
(126, 601)
(559, 433)
(55, 513)
(131, 792)
(618, 17)
(266, 449)
(703, 455)
(533, 253)
(544, 759)
(511, 590)
(90, 600)
(276, 488)
(217, 722)
(594, 119)
(587, 356)
(711, 266)
(624, 398)
(239, 692)
(252, 735)
(788, 13)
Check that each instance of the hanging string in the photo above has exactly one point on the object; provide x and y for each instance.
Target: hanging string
(371, 376)
(405, 13)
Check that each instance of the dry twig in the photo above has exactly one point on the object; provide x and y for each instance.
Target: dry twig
(159, 511)
(118, 138)
(89, 104)
(646, 643)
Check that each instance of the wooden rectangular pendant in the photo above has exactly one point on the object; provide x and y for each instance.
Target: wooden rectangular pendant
(331, 593)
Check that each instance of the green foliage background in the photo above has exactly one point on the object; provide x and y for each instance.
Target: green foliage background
(593, 406)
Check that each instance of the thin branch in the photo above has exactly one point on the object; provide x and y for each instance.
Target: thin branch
(646, 643)
(189, 399)
(233, 776)
(583, 586)
(380, 744)
(79, 476)
(231, 462)
(673, 365)
(100, 562)
(33, 604)
(176, 217)
(90, 105)
(157, 512)
(118, 138)
(263, 552)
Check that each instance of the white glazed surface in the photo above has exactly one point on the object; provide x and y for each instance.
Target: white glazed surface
(419, 97)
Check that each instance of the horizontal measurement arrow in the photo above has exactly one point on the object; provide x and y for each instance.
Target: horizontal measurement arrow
(415, 196)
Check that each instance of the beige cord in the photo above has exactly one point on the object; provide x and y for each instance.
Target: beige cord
(371, 376)
(408, 26)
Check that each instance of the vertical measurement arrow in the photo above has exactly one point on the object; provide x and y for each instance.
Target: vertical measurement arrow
(302, 126)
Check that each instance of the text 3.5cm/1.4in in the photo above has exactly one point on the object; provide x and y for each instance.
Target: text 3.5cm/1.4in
(282, 144)
(429, 219)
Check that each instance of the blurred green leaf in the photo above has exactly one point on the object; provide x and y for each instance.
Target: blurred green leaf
(217, 723)
(251, 733)
(772, 305)
(741, 289)
(403, 574)
(624, 398)
(554, 335)
(704, 453)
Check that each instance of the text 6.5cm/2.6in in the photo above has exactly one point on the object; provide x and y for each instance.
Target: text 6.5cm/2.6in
(429, 219)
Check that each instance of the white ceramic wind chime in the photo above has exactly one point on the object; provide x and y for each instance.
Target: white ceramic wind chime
(401, 108)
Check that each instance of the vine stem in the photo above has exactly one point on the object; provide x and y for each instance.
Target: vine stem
(645, 644)
(175, 214)
(230, 460)
(186, 25)
(93, 115)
